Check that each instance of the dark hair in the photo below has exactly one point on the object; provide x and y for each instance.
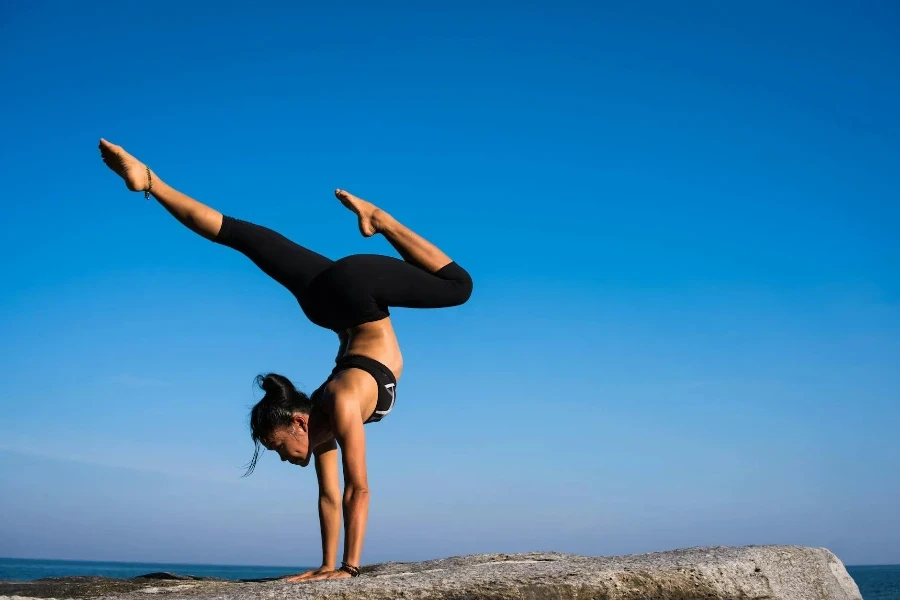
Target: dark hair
(275, 410)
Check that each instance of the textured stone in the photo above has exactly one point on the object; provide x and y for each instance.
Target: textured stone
(753, 572)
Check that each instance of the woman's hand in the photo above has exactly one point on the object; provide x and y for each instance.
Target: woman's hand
(339, 574)
(309, 575)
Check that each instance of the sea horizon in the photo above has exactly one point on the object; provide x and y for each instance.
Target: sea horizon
(152, 562)
(30, 569)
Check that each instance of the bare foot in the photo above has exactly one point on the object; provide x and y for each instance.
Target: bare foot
(133, 171)
(371, 218)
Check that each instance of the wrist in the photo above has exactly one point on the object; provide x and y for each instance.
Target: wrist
(351, 569)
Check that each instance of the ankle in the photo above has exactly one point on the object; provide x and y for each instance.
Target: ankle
(155, 185)
(383, 222)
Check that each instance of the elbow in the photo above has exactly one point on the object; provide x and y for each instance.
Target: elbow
(329, 500)
(353, 494)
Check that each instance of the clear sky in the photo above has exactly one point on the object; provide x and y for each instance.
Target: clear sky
(681, 220)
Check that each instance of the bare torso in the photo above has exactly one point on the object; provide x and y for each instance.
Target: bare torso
(375, 340)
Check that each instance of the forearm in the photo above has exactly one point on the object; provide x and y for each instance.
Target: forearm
(330, 525)
(356, 513)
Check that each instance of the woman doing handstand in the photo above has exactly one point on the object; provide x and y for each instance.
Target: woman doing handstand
(351, 297)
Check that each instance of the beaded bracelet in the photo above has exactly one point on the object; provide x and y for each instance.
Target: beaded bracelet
(348, 568)
(149, 184)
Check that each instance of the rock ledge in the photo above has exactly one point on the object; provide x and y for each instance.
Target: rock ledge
(726, 573)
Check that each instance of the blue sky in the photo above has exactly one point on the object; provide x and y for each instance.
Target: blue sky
(681, 222)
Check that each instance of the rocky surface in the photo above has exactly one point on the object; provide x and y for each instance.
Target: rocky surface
(753, 572)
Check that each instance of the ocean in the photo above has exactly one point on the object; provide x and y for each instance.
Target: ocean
(26, 569)
(880, 582)
(875, 582)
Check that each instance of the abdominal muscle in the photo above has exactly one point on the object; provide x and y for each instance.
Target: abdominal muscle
(378, 341)
(375, 340)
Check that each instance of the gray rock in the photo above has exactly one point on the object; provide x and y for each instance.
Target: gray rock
(752, 572)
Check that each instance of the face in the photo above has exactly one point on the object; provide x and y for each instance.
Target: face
(291, 443)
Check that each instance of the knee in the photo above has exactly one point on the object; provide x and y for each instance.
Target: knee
(463, 286)
(460, 282)
(225, 235)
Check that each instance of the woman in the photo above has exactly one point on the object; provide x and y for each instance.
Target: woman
(350, 296)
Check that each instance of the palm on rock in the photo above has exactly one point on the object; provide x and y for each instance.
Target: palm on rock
(307, 575)
(339, 574)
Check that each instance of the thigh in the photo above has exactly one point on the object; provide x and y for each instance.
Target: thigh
(285, 261)
(389, 281)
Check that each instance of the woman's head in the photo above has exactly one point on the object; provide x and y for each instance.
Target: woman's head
(280, 421)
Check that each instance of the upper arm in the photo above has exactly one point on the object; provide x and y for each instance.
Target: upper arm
(347, 425)
(326, 461)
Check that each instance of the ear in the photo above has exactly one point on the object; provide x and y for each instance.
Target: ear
(301, 421)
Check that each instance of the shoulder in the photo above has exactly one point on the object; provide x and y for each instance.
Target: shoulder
(351, 385)
(349, 397)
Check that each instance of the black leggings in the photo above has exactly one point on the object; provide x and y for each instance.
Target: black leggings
(348, 292)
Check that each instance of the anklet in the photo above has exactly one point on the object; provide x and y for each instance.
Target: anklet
(149, 184)
(348, 568)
